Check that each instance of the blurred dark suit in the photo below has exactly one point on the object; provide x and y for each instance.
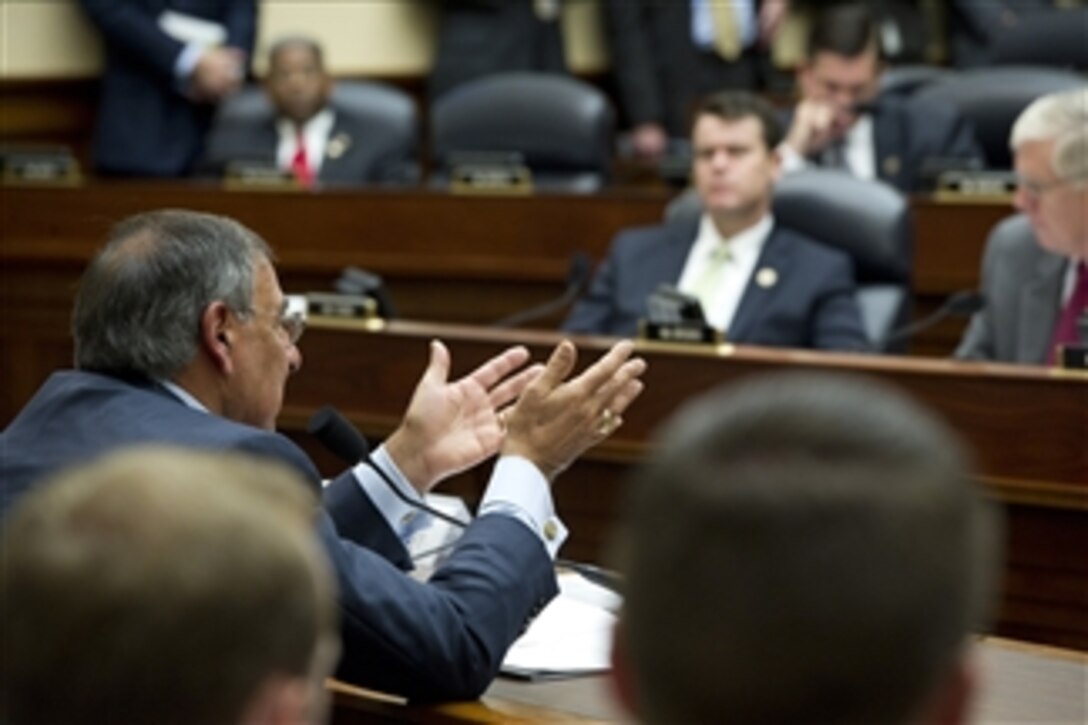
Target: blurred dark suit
(146, 125)
(480, 37)
(906, 133)
(811, 303)
(355, 154)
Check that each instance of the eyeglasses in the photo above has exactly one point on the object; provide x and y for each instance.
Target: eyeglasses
(1036, 189)
(291, 318)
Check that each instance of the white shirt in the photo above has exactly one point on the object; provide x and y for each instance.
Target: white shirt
(859, 149)
(703, 30)
(315, 134)
(744, 248)
(517, 488)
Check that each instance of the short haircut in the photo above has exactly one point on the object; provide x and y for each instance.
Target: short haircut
(139, 304)
(803, 548)
(297, 41)
(1064, 118)
(846, 29)
(161, 586)
(738, 105)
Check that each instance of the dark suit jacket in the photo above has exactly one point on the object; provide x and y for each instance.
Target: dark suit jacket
(360, 155)
(146, 126)
(811, 305)
(659, 71)
(907, 132)
(1022, 284)
(442, 640)
(480, 37)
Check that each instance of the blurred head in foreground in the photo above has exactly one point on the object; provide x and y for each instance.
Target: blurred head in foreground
(166, 586)
(804, 548)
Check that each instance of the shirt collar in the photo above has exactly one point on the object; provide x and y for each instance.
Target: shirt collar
(747, 242)
(320, 124)
(183, 395)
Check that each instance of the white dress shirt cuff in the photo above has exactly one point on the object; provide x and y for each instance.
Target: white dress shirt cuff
(401, 516)
(519, 489)
(186, 64)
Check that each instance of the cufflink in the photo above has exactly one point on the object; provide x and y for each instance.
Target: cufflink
(551, 530)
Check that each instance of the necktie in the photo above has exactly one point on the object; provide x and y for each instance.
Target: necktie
(1065, 332)
(300, 164)
(711, 278)
(834, 156)
(726, 30)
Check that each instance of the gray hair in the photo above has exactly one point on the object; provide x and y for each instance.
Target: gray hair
(140, 301)
(1063, 117)
(805, 534)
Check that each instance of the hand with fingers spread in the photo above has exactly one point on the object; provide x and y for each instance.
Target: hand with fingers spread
(554, 421)
(450, 427)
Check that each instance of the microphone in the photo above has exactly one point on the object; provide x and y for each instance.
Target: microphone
(355, 281)
(340, 438)
(960, 304)
(577, 276)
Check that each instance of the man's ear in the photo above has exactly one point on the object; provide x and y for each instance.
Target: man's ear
(621, 677)
(218, 326)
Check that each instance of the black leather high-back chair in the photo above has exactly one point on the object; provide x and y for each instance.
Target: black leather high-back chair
(868, 220)
(904, 80)
(560, 127)
(992, 98)
(389, 111)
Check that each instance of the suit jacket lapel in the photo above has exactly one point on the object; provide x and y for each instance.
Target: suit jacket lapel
(1038, 309)
(777, 255)
(888, 147)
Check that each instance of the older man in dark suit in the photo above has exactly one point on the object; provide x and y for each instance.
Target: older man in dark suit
(760, 282)
(168, 62)
(184, 337)
(1035, 269)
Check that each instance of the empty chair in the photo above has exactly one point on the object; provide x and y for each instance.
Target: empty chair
(387, 152)
(904, 80)
(992, 98)
(868, 220)
(559, 127)
(1050, 38)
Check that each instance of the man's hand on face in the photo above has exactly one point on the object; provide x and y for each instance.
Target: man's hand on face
(812, 128)
(450, 427)
(554, 422)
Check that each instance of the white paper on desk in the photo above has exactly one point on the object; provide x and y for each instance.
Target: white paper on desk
(570, 637)
(190, 29)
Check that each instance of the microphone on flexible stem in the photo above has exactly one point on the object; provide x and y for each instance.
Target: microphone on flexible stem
(960, 304)
(340, 438)
(577, 276)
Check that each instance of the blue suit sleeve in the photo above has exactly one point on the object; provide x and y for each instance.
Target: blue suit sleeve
(132, 29)
(836, 321)
(444, 639)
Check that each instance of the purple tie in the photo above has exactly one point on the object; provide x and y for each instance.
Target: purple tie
(1066, 331)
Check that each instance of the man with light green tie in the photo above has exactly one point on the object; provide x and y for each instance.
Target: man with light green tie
(758, 281)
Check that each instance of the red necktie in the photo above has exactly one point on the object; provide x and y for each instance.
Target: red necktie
(1066, 331)
(300, 165)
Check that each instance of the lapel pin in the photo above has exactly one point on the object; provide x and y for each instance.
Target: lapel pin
(766, 278)
(337, 145)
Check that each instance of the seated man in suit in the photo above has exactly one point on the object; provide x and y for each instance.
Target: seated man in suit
(166, 586)
(804, 548)
(1036, 289)
(761, 283)
(183, 336)
(842, 122)
(308, 135)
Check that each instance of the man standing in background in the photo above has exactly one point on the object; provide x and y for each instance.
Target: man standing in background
(168, 62)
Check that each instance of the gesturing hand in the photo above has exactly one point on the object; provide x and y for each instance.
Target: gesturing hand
(554, 421)
(453, 426)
